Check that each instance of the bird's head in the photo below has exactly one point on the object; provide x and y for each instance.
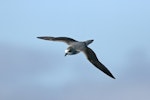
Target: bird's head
(70, 51)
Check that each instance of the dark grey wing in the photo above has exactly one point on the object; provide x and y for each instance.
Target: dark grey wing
(61, 39)
(91, 56)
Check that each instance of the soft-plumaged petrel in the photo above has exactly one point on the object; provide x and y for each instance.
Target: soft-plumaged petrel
(76, 46)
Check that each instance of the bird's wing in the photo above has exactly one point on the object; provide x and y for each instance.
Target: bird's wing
(61, 39)
(91, 56)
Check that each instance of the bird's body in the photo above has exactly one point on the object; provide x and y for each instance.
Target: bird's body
(80, 46)
(76, 47)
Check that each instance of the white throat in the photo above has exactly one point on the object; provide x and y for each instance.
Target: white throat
(66, 51)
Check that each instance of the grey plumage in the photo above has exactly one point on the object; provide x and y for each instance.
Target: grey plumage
(76, 47)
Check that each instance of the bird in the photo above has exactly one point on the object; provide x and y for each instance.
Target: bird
(75, 47)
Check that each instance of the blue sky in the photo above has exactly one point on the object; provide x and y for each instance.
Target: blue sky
(36, 69)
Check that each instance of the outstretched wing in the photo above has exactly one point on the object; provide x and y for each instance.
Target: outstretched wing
(91, 56)
(61, 39)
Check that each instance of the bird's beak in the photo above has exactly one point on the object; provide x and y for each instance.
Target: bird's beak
(66, 54)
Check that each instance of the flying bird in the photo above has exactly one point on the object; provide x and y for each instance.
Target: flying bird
(76, 47)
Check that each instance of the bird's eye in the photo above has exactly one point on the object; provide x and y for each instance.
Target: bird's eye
(69, 50)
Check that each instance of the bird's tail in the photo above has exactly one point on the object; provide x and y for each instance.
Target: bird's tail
(88, 42)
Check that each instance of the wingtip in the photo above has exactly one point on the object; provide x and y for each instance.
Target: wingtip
(42, 37)
(112, 76)
(39, 37)
(45, 37)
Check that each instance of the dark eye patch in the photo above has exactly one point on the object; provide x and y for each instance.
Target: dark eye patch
(69, 50)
